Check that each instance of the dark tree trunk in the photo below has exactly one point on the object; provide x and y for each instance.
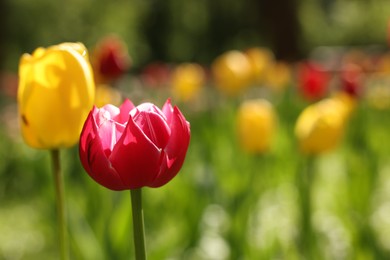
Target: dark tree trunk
(3, 32)
(279, 21)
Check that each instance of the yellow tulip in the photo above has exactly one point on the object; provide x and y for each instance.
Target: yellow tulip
(320, 126)
(348, 102)
(55, 94)
(256, 124)
(187, 81)
(231, 72)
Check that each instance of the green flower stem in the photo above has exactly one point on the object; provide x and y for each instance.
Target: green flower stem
(138, 224)
(61, 216)
(307, 239)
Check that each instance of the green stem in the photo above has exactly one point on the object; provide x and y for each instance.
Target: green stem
(138, 224)
(307, 242)
(61, 216)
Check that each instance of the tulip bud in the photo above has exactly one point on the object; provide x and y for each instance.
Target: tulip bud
(320, 126)
(256, 123)
(132, 147)
(56, 91)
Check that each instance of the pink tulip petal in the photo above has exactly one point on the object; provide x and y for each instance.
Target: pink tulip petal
(125, 109)
(112, 110)
(94, 159)
(86, 135)
(147, 107)
(154, 127)
(135, 158)
(175, 150)
(168, 110)
(109, 131)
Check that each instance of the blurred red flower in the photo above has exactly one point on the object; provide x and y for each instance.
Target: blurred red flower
(312, 80)
(110, 59)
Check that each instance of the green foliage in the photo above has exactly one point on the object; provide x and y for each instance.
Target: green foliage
(177, 31)
(245, 206)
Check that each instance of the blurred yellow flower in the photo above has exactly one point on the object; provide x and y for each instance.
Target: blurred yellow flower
(320, 126)
(261, 59)
(106, 94)
(231, 72)
(256, 125)
(187, 81)
(348, 102)
(55, 93)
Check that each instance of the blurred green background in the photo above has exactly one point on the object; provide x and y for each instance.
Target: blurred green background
(224, 204)
(193, 30)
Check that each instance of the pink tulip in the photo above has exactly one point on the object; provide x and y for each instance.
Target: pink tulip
(131, 147)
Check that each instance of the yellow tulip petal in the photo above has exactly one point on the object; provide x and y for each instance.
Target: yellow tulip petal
(319, 127)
